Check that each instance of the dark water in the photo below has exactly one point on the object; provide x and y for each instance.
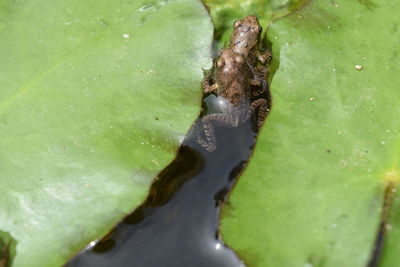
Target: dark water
(178, 223)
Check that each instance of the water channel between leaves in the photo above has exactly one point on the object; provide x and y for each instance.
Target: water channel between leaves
(178, 223)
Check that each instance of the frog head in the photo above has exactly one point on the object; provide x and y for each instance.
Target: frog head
(246, 36)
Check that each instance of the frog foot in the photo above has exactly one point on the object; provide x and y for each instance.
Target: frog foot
(265, 57)
(206, 136)
(209, 88)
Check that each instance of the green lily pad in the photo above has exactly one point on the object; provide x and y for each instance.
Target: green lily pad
(95, 98)
(313, 192)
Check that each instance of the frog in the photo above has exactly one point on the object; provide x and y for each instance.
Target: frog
(246, 41)
(232, 83)
(237, 78)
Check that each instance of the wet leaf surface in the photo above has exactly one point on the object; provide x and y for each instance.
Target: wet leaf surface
(94, 101)
(313, 192)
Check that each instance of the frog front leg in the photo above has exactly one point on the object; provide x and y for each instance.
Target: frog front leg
(259, 85)
(208, 85)
(206, 135)
(264, 57)
(259, 75)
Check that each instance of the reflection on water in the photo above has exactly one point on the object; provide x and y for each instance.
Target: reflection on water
(178, 223)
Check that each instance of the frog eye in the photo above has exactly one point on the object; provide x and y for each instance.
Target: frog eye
(236, 24)
(220, 63)
(256, 29)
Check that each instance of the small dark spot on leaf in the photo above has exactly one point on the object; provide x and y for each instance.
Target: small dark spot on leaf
(328, 151)
(156, 118)
(316, 260)
(368, 4)
(103, 22)
(395, 27)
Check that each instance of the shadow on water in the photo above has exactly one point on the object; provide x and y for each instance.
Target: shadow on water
(178, 223)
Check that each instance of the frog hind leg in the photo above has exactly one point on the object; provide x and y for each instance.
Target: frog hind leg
(206, 135)
(206, 138)
(258, 88)
(262, 106)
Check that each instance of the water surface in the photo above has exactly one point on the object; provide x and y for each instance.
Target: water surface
(178, 223)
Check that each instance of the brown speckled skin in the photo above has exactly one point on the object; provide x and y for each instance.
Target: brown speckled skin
(232, 76)
(245, 40)
(236, 78)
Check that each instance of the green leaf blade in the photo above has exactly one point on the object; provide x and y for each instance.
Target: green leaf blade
(94, 101)
(313, 191)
